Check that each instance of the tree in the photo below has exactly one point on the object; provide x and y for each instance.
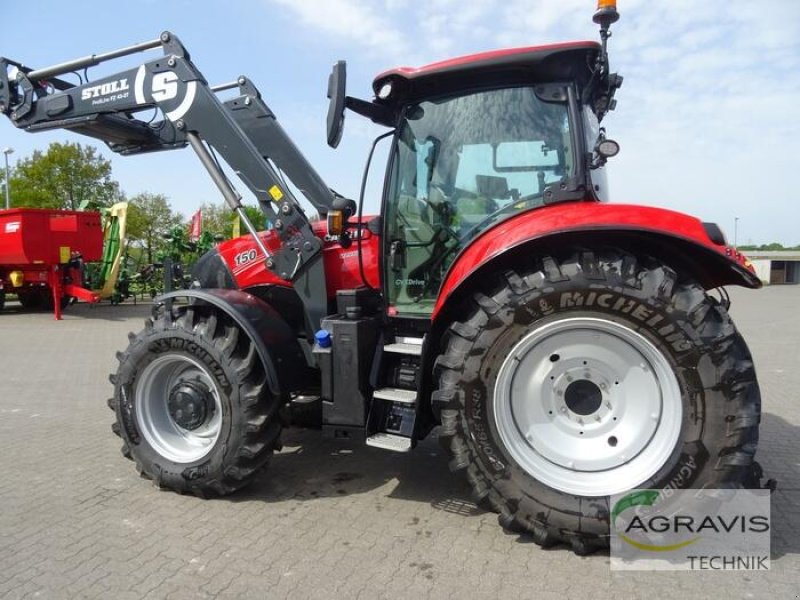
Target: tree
(773, 246)
(150, 220)
(255, 216)
(218, 219)
(68, 176)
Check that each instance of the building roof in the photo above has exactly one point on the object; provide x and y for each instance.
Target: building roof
(773, 254)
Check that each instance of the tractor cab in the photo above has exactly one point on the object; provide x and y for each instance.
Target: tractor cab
(465, 157)
(477, 140)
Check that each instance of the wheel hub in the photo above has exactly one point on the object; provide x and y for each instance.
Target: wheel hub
(583, 397)
(588, 406)
(178, 407)
(189, 404)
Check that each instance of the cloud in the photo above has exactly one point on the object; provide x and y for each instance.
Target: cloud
(361, 23)
(418, 32)
(704, 114)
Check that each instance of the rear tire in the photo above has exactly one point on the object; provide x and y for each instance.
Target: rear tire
(536, 389)
(46, 301)
(29, 299)
(192, 403)
(40, 298)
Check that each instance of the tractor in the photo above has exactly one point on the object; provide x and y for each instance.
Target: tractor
(563, 348)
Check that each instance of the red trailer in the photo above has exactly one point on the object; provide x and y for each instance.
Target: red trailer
(41, 252)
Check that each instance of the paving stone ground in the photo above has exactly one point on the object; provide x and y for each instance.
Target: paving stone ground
(328, 520)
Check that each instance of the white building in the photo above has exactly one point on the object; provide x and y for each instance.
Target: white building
(776, 266)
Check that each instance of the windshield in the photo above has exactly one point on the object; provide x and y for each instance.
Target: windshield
(459, 165)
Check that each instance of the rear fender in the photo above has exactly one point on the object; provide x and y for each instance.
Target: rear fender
(680, 241)
(275, 342)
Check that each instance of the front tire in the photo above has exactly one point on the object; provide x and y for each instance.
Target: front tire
(589, 376)
(192, 403)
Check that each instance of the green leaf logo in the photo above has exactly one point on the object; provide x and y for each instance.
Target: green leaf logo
(643, 498)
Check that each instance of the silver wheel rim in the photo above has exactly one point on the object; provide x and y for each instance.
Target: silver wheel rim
(156, 423)
(588, 406)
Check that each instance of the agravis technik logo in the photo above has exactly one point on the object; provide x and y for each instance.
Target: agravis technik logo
(690, 530)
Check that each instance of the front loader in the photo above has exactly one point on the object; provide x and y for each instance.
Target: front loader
(566, 348)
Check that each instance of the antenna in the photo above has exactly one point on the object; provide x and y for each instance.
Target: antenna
(605, 15)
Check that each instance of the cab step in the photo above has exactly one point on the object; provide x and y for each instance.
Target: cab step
(389, 441)
(405, 345)
(398, 395)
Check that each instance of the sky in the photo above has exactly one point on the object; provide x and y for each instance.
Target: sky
(707, 117)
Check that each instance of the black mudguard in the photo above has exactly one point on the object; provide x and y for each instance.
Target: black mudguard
(275, 342)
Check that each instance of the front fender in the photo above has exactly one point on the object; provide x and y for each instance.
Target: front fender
(274, 341)
(680, 240)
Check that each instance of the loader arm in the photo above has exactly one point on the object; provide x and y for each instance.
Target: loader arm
(183, 109)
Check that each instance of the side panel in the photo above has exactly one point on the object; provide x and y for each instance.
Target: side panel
(247, 267)
(341, 264)
(721, 264)
(245, 262)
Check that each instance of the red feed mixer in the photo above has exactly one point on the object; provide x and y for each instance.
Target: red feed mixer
(41, 252)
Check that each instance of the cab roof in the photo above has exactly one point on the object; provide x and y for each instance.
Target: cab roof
(555, 62)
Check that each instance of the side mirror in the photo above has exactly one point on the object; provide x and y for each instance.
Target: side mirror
(337, 83)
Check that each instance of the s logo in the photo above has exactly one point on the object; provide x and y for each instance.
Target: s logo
(165, 86)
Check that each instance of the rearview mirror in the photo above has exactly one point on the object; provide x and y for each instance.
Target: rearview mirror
(511, 157)
(492, 187)
(337, 83)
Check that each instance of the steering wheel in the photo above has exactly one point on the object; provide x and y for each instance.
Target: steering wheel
(507, 208)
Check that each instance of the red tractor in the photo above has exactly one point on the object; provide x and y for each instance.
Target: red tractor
(567, 349)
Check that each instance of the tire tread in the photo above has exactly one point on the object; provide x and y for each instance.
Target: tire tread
(640, 277)
(260, 435)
